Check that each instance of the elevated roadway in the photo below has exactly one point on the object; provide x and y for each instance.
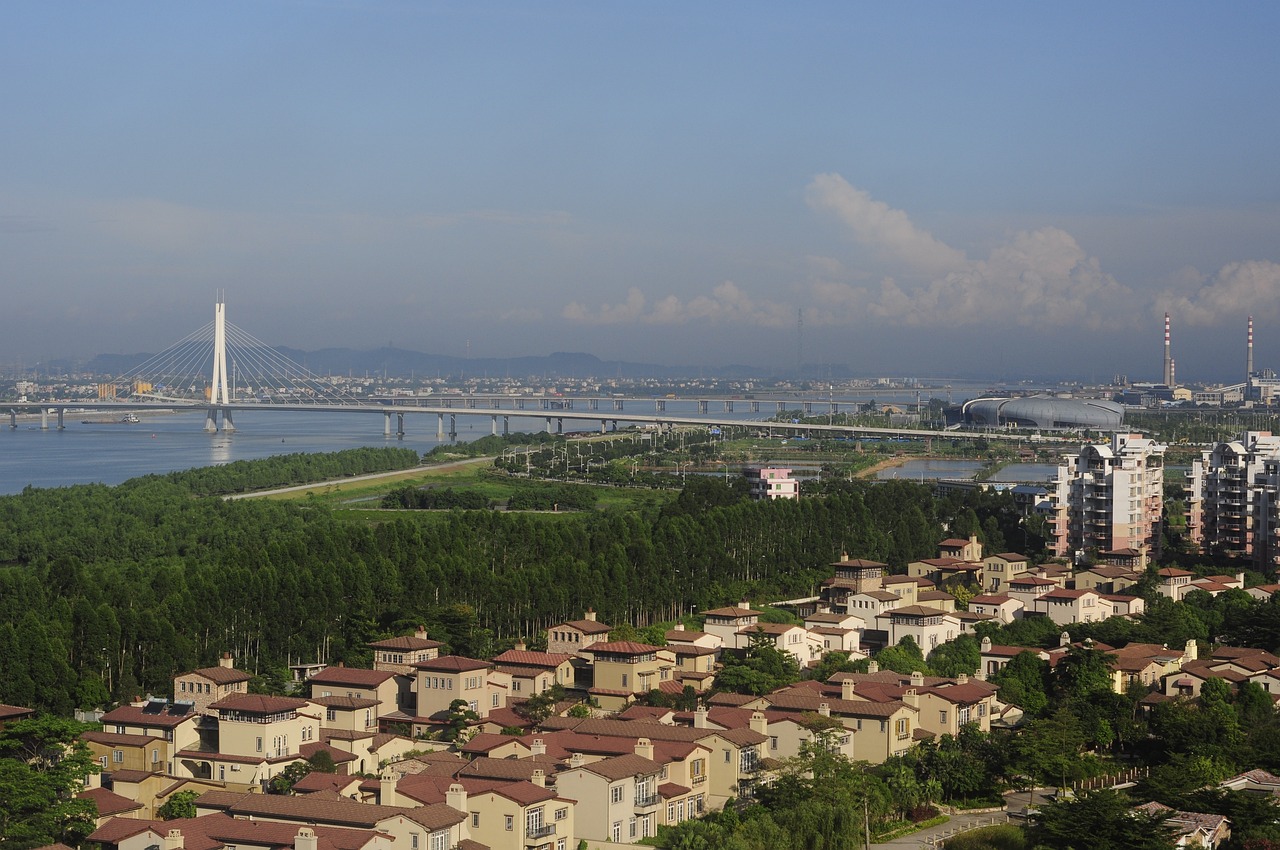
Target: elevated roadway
(554, 419)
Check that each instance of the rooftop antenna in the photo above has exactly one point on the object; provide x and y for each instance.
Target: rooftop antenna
(799, 341)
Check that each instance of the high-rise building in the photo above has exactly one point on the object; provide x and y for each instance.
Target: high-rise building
(1232, 504)
(1109, 497)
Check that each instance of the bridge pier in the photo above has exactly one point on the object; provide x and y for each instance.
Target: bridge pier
(494, 425)
(617, 404)
(386, 423)
(400, 426)
(439, 426)
(61, 426)
(227, 424)
(702, 405)
(506, 425)
(559, 425)
(548, 424)
(519, 404)
(453, 426)
(782, 405)
(808, 408)
(211, 421)
(661, 405)
(44, 419)
(593, 404)
(604, 426)
(13, 420)
(728, 407)
(755, 407)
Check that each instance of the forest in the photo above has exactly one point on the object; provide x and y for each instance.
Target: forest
(107, 592)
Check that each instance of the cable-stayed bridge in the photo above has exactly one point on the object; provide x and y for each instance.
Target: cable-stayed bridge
(222, 370)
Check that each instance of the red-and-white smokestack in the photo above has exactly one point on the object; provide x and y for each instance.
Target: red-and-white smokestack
(1248, 368)
(1168, 355)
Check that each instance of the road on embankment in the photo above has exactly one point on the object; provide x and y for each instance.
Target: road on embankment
(356, 479)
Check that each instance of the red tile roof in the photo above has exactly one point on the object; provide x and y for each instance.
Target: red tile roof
(353, 676)
(258, 704)
(452, 664)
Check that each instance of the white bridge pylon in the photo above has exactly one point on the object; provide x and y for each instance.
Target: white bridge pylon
(218, 393)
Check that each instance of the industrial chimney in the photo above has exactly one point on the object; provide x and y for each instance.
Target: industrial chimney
(1248, 364)
(1168, 357)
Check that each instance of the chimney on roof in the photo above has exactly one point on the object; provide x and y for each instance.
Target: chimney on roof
(226, 660)
(539, 778)
(986, 645)
(342, 664)
(520, 646)
(421, 632)
(759, 723)
(873, 667)
(846, 689)
(575, 760)
(456, 798)
(745, 604)
(700, 717)
(173, 840)
(644, 748)
(1064, 639)
(590, 616)
(306, 839)
(679, 627)
(912, 698)
(917, 679)
(538, 747)
(824, 708)
(962, 679)
(1192, 652)
(387, 788)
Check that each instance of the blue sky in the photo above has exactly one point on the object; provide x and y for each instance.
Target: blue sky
(937, 188)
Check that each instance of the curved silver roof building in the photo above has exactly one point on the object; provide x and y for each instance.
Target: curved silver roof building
(1046, 412)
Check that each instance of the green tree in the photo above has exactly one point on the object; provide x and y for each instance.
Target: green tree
(459, 720)
(1099, 820)
(283, 782)
(763, 668)
(1049, 749)
(42, 764)
(181, 804)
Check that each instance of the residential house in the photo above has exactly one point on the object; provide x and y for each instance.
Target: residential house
(1003, 608)
(625, 669)
(534, 673)
(399, 654)
(1106, 578)
(999, 570)
(258, 737)
(203, 687)
(440, 681)
(928, 627)
(618, 797)
(177, 724)
(574, 636)
(726, 623)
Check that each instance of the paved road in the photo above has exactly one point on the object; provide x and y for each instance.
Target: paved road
(927, 839)
(374, 476)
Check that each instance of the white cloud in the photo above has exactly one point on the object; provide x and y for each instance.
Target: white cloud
(1040, 278)
(887, 231)
(1236, 290)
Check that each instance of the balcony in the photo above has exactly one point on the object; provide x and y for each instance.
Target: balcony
(647, 802)
(540, 832)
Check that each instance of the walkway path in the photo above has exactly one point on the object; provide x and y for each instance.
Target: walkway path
(932, 837)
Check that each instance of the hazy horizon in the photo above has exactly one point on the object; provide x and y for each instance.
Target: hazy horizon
(1010, 189)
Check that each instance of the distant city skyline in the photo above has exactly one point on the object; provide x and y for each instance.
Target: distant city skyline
(1011, 189)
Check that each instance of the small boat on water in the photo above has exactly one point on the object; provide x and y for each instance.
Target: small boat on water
(130, 418)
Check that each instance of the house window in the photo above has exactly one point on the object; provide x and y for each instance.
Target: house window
(117, 756)
(475, 820)
(511, 823)
(495, 699)
(631, 827)
(259, 745)
(440, 840)
(413, 841)
(942, 718)
(562, 813)
(903, 729)
(533, 821)
(615, 832)
(331, 714)
(155, 756)
(561, 844)
(615, 794)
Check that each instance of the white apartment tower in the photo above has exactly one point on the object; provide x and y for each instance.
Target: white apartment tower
(1109, 497)
(1232, 504)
